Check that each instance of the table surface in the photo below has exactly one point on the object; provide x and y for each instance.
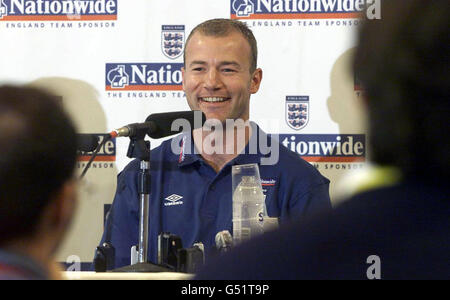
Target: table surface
(126, 276)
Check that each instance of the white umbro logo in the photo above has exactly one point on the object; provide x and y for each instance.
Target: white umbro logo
(173, 199)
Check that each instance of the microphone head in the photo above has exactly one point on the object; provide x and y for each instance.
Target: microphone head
(223, 239)
(185, 121)
(87, 142)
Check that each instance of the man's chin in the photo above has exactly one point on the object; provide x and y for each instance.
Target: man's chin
(226, 123)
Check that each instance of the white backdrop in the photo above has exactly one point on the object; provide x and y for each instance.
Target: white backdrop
(301, 54)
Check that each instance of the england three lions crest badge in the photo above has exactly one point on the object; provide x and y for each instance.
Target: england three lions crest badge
(172, 40)
(297, 111)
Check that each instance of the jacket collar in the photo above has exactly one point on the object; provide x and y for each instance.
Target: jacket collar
(251, 154)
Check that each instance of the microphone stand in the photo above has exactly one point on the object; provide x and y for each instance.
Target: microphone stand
(140, 149)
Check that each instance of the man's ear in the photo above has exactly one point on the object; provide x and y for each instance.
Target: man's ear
(255, 81)
(364, 99)
(64, 203)
(183, 71)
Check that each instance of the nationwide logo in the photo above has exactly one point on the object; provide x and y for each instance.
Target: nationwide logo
(172, 40)
(58, 10)
(144, 76)
(268, 182)
(297, 111)
(297, 9)
(326, 147)
(106, 154)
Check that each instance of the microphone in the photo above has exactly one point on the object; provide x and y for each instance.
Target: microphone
(87, 142)
(162, 124)
(224, 241)
(132, 130)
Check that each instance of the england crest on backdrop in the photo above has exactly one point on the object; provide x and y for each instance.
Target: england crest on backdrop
(297, 111)
(172, 40)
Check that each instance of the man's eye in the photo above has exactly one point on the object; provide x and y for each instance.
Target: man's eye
(228, 70)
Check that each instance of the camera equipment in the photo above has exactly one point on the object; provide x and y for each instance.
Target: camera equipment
(171, 254)
(104, 258)
(168, 246)
(191, 259)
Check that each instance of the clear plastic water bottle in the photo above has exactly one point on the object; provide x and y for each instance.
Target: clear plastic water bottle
(248, 209)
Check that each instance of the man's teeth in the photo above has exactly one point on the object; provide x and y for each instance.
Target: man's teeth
(213, 99)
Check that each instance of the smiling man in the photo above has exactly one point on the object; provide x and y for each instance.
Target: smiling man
(217, 78)
(191, 188)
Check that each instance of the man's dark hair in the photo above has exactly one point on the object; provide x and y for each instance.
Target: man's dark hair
(402, 63)
(38, 154)
(223, 27)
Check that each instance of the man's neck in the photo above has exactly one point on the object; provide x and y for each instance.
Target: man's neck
(220, 146)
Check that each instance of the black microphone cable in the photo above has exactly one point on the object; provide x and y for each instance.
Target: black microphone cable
(94, 154)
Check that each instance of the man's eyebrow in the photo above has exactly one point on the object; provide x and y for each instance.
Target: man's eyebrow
(223, 63)
(233, 63)
(197, 62)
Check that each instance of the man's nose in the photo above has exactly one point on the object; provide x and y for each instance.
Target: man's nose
(212, 80)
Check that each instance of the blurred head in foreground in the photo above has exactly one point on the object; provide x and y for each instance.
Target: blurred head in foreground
(402, 63)
(37, 187)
